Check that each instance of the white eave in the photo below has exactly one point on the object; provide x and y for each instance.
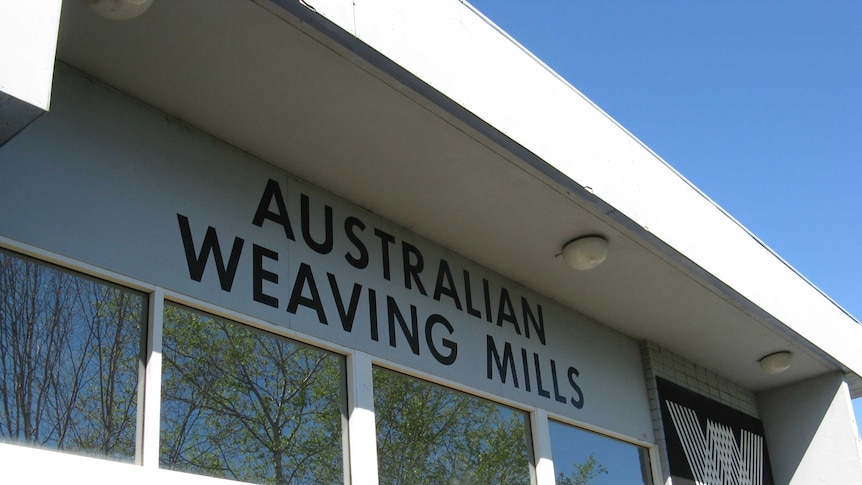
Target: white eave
(427, 114)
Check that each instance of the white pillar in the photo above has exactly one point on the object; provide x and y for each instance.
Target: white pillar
(362, 431)
(811, 433)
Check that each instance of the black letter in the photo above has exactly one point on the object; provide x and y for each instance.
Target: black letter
(273, 191)
(468, 294)
(412, 333)
(446, 287)
(557, 395)
(579, 403)
(526, 364)
(362, 261)
(452, 346)
(412, 269)
(502, 366)
(385, 240)
(487, 290)
(348, 316)
(506, 312)
(305, 277)
(259, 274)
(198, 262)
(372, 314)
(542, 391)
(529, 318)
(326, 246)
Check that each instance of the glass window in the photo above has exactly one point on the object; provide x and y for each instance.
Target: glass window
(70, 354)
(428, 434)
(247, 405)
(585, 458)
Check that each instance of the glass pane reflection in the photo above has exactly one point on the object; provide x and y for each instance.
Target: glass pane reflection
(70, 350)
(585, 458)
(428, 434)
(247, 405)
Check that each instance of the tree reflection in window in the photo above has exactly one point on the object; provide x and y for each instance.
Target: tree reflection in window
(247, 405)
(70, 351)
(582, 457)
(428, 434)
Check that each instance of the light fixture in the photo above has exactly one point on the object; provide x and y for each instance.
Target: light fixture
(119, 9)
(776, 363)
(585, 252)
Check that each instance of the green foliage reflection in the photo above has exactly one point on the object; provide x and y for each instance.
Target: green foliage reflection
(427, 434)
(246, 405)
(582, 473)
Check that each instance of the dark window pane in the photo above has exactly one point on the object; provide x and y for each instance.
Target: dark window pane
(247, 405)
(585, 458)
(70, 349)
(428, 434)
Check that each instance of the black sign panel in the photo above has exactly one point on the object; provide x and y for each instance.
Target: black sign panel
(709, 443)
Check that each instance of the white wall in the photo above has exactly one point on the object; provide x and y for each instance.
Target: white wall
(102, 179)
(811, 433)
(23, 465)
(28, 42)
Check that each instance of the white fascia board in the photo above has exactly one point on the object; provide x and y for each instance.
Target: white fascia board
(459, 52)
(28, 45)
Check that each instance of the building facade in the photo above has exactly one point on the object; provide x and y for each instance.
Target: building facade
(323, 242)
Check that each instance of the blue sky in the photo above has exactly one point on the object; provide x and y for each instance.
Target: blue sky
(759, 104)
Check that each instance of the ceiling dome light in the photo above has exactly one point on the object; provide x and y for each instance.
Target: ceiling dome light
(119, 9)
(776, 363)
(586, 252)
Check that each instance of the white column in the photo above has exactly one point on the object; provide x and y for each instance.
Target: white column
(811, 435)
(542, 447)
(362, 431)
(152, 391)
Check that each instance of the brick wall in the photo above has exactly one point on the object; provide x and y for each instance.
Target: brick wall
(661, 362)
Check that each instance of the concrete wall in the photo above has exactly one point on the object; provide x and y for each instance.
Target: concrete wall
(811, 432)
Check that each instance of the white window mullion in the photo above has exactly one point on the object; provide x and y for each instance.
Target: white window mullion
(153, 381)
(542, 448)
(361, 428)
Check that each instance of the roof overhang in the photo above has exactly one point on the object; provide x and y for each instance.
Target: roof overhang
(497, 159)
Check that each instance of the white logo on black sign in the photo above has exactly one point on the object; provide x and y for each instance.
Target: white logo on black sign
(714, 456)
